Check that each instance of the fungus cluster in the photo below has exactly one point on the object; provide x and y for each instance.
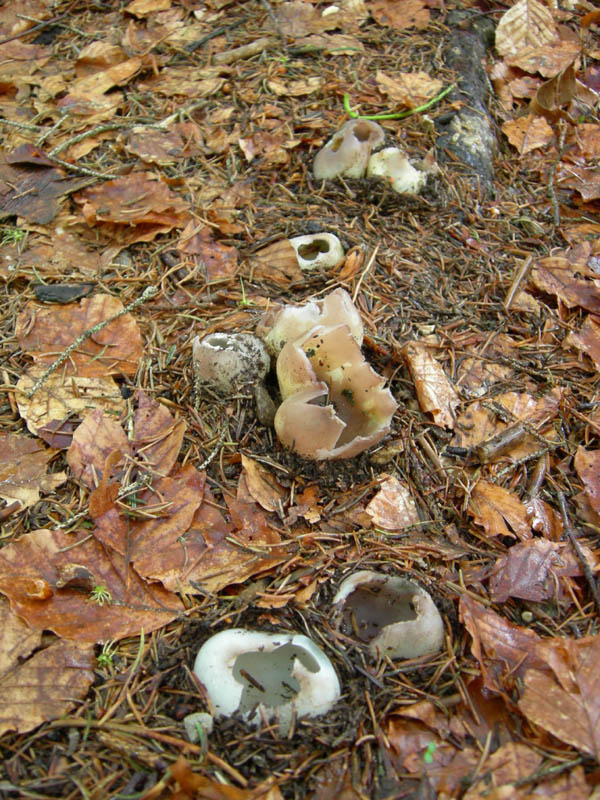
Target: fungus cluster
(334, 405)
(349, 153)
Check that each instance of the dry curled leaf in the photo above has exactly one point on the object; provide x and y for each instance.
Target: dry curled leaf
(435, 392)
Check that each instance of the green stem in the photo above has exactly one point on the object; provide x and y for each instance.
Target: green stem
(401, 114)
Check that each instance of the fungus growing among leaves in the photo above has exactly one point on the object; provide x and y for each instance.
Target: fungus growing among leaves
(270, 675)
(317, 250)
(230, 361)
(334, 404)
(348, 151)
(395, 616)
(393, 164)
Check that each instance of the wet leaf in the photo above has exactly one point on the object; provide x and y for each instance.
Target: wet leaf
(44, 686)
(118, 604)
(587, 464)
(400, 14)
(393, 507)
(534, 570)
(570, 712)
(45, 331)
(434, 391)
(54, 411)
(499, 512)
(23, 471)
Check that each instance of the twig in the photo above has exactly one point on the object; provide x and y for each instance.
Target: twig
(44, 24)
(217, 32)
(112, 126)
(588, 574)
(84, 170)
(517, 280)
(552, 175)
(149, 292)
(400, 114)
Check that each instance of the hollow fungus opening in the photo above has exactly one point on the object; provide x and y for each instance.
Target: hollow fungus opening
(267, 678)
(313, 249)
(371, 607)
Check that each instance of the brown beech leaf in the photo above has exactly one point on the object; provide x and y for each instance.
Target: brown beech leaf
(63, 256)
(54, 411)
(45, 686)
(509, 764)
(409, 89)
(34, 192)
(587, 340)
(587, 464)
(570, 712)
(393, 507)
(23, 471)
(499, 512)
(163, 147)
(45, 331)
(94, 441)
(186, 544)
(214, 261)
(528, 23)
(400, 14)
(544, 519)
(17, 639)
(277, 263)
(262, 485)
(157, 435)
(135, 208)
(506, 651)
(583, 179)
(434, 391)
(107, 601)
(534, 570)
(528, 133)
(556, 275)
(191, 785)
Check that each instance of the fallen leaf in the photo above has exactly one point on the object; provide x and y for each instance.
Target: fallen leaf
(534, 570)
(498, 511)
(552, 60)
(31, 567)
(409, 89)
(587, 464)
(509, 764)
(23, 472)
(299, 88)
(393, 507)
(62, 256)
(45, 686)
(434, 391)
(191, 785)
(572, 713)
(34, 192)
(17, 640)
(214, 261)
(141, 8)
(400, 14)
(54, 411)
(163, 147)
(157, 435)
(584, 179)
(528, 133)
(529, 23)
(135, 208)
(44, 332)
(277, 263)
(262, 485)
(94, 441)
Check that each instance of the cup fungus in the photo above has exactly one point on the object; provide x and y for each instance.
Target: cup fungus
(334, 405)
(395, 616)
(348, 151)
(230, 361)
(393, 164)
(317, 250)
(288, 323)
(270, 675)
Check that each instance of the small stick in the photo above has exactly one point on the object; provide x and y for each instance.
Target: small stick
(589, 575)
(517, 280)
(149, 292)
(244, 51)
(552, 174)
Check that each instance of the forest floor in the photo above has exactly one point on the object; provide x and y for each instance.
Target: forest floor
(151, 174)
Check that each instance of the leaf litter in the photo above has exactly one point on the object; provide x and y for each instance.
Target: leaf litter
(140, 515)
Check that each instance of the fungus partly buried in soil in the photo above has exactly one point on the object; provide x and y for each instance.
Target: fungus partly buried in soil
(317, 250)
(270, 675)
(229, 362)
(334, 404)
(395, 616)
(393, 164)
(348, 151)
(288, 323)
